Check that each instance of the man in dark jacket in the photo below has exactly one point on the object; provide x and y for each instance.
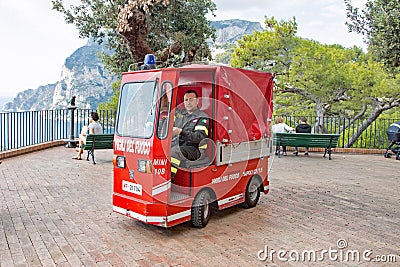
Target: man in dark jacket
(303, 127)
(190, 128)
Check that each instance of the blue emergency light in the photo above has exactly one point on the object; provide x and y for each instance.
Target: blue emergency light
(149, 59)
(149, 62)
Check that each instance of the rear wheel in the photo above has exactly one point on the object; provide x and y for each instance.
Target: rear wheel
(252, 194)
(201, 209)
(387, 154)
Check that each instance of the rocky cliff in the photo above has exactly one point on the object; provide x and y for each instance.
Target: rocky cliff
(32, 99)
(3, 101)
(229, 31)
(83, 74)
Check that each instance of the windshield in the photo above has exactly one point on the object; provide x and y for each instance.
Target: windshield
(137, 109)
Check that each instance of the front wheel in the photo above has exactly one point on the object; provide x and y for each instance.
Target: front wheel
(252, 194)
(201, 209)
(387, 154)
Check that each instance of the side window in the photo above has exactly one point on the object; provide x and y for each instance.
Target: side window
(164, 110)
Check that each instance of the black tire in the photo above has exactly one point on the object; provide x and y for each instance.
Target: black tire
(397, 156)
(387, 154)
(252, 194)
(201, 209)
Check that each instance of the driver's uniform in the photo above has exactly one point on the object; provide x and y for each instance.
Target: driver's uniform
(185, 146)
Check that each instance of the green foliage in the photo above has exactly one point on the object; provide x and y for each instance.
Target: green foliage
(310, 76)
(113, 103)
(118, 61)
(272, 46)
(183, 22)
(98, 20)
(391, 113)
(374, 136)
(313, 77)
(180, 21)
(225, 56)
(329, 79)
(273, 50)
(321, 74)
(379, 22)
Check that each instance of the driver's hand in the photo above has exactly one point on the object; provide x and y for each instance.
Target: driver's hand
(176, 131)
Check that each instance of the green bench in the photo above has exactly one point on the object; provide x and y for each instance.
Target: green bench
(98, 141)
(327, 141)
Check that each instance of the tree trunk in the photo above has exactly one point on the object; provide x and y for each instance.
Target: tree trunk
(319, 122)
(137, 37)
(321, 108)
(134, 26)
(379, 107)
(363, 126)
(174, 48)
(351, 121)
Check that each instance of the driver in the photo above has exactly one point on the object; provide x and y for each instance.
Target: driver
(190, 128)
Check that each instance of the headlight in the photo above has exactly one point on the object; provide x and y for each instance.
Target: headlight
(145, 166)
(120, 162)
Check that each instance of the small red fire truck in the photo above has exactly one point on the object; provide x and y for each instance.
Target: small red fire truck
(233, 166)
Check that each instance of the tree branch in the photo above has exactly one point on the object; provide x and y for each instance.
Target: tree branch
(380, 106)
(358, 116)
(301, 92)
(341, 95)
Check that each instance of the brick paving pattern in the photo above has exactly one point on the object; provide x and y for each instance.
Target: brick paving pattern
(55, 211)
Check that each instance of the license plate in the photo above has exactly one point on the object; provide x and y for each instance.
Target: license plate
(132, 187)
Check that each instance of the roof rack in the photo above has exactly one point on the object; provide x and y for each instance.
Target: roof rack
(211, 63)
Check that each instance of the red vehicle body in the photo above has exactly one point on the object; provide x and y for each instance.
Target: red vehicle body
(233, 167)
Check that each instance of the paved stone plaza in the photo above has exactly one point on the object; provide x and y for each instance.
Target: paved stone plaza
(56, 211)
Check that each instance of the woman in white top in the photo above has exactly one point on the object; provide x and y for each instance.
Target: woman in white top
(93, 128)
(281, 127)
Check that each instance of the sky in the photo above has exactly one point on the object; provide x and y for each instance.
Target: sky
(36, 40)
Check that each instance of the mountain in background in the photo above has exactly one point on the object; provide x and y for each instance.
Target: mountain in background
(83, 74)
(229, 31)
(32, 99)
(4, 100)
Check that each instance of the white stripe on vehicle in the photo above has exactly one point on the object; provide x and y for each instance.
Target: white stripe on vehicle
(179, 215)
(119, 210)
(161, 188)
(230, 199)
(152, 219)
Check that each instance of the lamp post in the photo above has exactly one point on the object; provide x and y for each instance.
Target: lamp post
(71, 143)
